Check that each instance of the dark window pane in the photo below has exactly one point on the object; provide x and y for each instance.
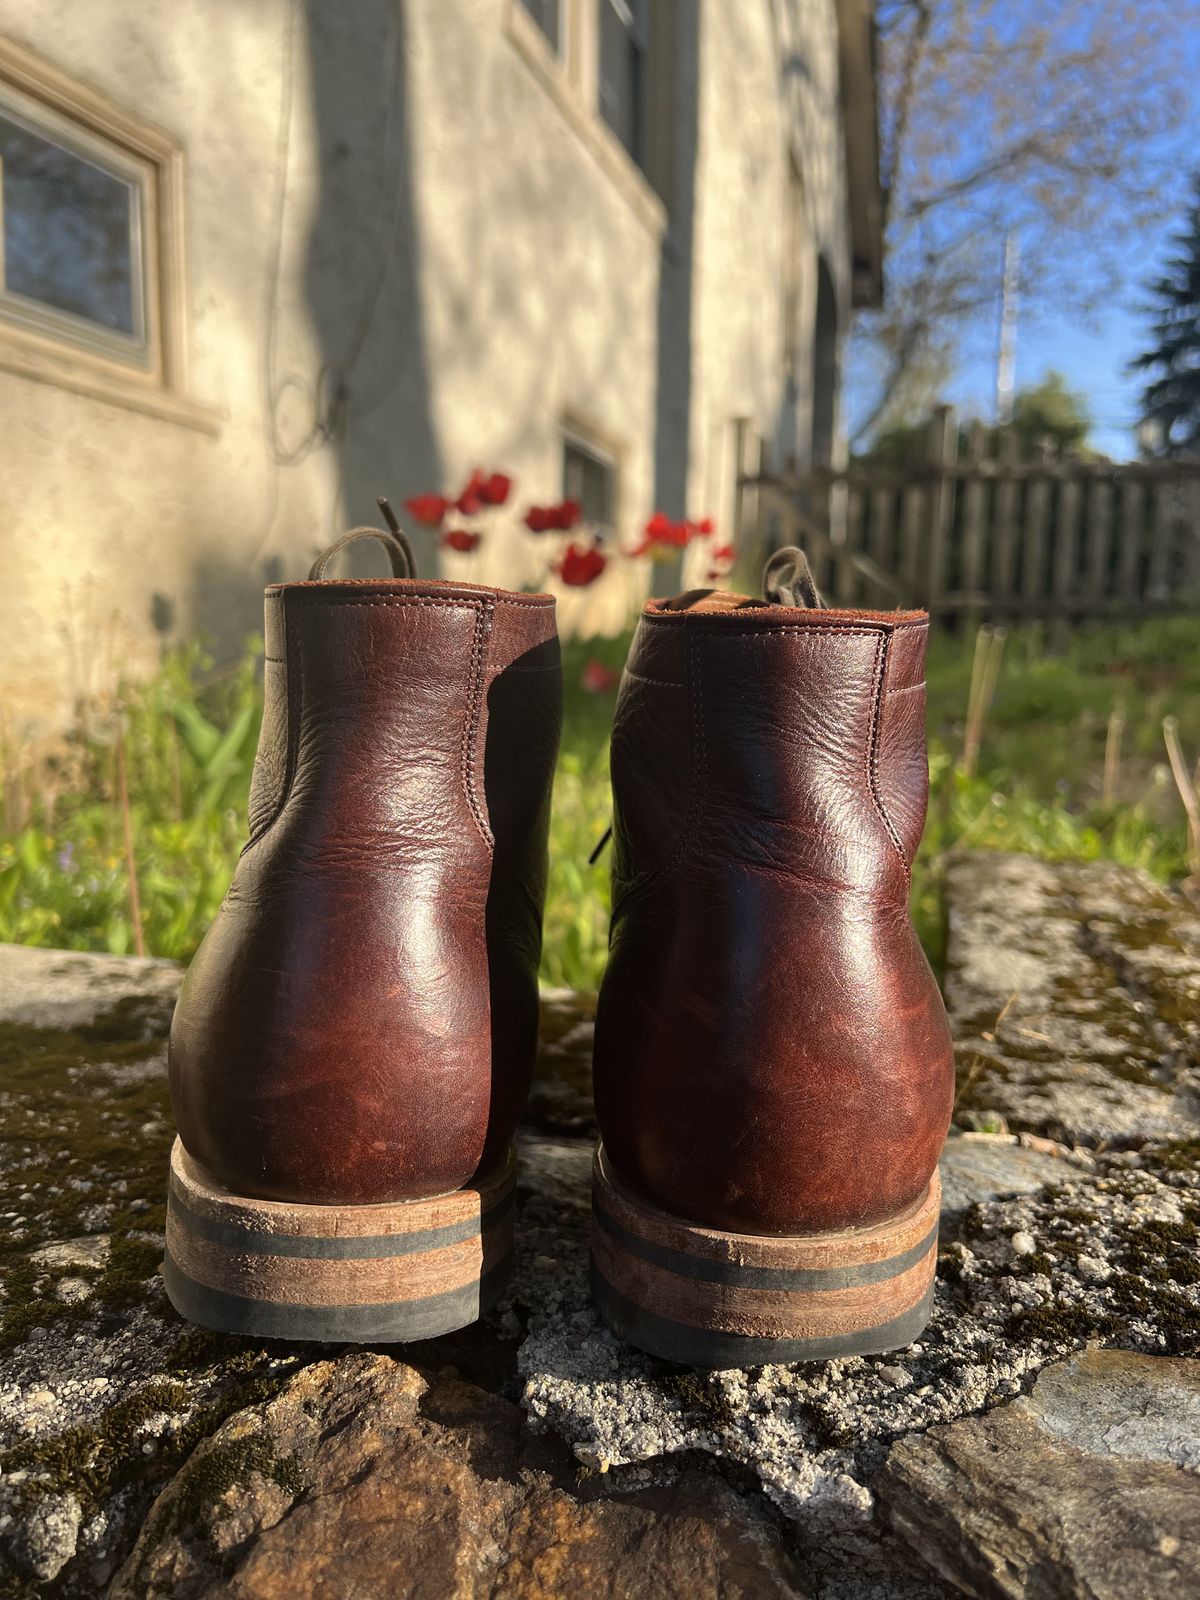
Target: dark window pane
(68, 230)
(588, 479)
(548, 16)
(621, 53)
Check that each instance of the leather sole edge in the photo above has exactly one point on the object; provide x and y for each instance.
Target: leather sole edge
(710, 1299)
(387, 1273)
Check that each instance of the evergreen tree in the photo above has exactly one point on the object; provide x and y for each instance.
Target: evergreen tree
(1171, 398)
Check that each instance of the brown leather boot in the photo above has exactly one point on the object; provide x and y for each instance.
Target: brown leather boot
(354, 1040)
(773, 1066)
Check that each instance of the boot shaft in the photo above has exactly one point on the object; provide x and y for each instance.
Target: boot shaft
(772, 1053)
(359, 1024)
(376, 712)
(779, 739)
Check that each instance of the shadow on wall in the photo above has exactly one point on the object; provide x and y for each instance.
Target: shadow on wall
(364, 397)
(361, 275)
(825, 369)
(673, 393)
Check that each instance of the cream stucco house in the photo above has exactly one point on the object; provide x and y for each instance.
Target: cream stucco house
(261, 262)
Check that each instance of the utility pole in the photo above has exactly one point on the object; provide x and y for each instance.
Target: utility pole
(1006, 355)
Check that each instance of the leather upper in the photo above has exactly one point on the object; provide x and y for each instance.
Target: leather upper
(772, 1052)
(360, 1023)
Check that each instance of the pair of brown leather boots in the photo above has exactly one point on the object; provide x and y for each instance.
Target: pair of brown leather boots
(355, 1038)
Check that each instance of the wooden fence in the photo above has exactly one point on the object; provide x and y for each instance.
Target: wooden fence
(975, 527)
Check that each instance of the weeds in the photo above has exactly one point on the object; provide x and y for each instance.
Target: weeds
(1040, 784)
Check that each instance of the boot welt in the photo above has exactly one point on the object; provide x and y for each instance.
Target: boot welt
(711, 1299)
(367, 1274)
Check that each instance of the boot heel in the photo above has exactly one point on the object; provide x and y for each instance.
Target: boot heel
(711, 1299)
(341, 1274)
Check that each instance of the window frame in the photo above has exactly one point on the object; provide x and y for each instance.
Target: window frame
(136, 348)
(562, 50)
(573, 439)
(571, 78)
(577, 432)
(630, 14)
(52, 346)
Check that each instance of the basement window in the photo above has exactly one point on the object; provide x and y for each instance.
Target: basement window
(590, 477)
(91, 245)
(72, 230)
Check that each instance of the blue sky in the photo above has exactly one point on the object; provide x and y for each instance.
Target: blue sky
(1091, 351)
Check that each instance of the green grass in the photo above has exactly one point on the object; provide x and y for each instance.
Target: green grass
(189, 738)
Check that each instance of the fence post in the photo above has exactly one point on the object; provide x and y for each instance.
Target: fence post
(943, 455)
(882, 548)
(912, 520)
(1129, 556)
(1162, 530)
(1101, 496)
(849, 578)
(1004, 549)
(1191, 559)
(749, 531)
(974, 521)
(1037, 507)
(1066, 547)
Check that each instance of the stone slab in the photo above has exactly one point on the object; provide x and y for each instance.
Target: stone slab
(983, 1166)
(545, 1420)
(1085, 1490)
(72, 989)
(1071, 994)
(361, 1476)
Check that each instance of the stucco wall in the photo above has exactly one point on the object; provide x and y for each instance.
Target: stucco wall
(103, 508)
(769, 98)
(403, 260)
(540, 282)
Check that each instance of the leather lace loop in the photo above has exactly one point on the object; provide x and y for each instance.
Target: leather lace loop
(788, 581)
(395, 542)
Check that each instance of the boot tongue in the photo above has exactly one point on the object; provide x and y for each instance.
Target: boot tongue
(787, 581)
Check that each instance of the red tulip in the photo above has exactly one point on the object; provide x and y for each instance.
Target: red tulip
(722, 562)
(538, 519)
(581, 564)
(704, 528)
(568, 514)
(493, 491)
(663, 534)
(428, 509)
(470, 501)
(596, 678)
(461, 539)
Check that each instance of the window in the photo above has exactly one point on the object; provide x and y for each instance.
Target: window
(548, 16)
(91, 244)
(610, 66)
(590, 478)
(622, 61)
(72, 261)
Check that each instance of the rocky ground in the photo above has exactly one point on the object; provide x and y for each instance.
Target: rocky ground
(1041, 1439)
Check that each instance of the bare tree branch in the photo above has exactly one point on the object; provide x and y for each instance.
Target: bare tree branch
(999, 115)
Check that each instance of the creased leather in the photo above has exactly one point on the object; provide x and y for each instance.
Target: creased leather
(335, 1040)
(269, 778)
(772, 1053)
